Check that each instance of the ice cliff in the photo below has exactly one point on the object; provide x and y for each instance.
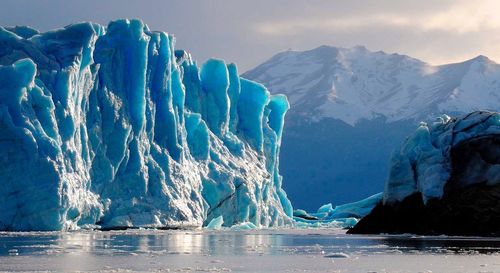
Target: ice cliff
(445, 179)
(112, 127)
(424, 163)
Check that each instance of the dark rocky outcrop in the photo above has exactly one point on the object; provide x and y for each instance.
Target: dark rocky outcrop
(474, 211)
(470, 205)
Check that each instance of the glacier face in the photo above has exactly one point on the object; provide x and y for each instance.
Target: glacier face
(445, 179)
(351, 107)
(424, 163)
(112, 127)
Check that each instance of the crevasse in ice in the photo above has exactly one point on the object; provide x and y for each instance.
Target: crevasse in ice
(424, 164)
(111, 127)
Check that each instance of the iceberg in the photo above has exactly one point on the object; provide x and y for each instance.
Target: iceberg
(113, 127)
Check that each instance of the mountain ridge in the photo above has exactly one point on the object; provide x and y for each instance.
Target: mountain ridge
(351, 108)
(366, 84)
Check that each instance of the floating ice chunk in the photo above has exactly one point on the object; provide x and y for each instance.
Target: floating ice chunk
(342, 216)
(216, 223)
(347, 222)
(244, 226)
(328, 208)
(302, 214)
(357, 209)
(337, 255)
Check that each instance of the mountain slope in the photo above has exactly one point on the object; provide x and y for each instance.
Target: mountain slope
(356, 106)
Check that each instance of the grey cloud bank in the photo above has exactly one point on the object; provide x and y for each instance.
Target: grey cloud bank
(249, 32)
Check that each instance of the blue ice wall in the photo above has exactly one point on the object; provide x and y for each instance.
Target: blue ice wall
(112, 127)
(423, 163)
(251, 105)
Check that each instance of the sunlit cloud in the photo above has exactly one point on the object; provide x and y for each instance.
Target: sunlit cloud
(470, 16)
(463, 17)
(250, 31)
(338, 24)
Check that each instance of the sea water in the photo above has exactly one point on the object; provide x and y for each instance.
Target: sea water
(329, 250)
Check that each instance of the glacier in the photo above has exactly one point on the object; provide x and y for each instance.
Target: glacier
(444, 180)
(424, 163)
(112, 127)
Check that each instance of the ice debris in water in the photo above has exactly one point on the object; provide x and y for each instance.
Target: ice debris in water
(357, 209)
(337, 255)
(328, 208)
(216, 223)
(111, 127)
(244, 226)
(343, 216)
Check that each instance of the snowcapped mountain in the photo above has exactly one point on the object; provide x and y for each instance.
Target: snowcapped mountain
(351, 84)
(356, 106)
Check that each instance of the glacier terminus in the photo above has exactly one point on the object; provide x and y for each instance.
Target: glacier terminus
(111, 127)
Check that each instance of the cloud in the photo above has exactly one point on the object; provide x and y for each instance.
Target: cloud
(434, 31)
(294, 27)
(250, 31)
(466, 16)
(461, 17)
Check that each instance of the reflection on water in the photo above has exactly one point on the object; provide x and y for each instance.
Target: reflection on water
(225, 243)
(243, 251)
(444, 244)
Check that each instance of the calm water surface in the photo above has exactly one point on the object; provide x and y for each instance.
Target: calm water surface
(244, 251)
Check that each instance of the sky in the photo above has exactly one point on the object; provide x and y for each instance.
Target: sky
(250, 32)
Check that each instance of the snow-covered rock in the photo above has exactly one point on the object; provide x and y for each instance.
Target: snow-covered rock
(110, 126)
(351, 107)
